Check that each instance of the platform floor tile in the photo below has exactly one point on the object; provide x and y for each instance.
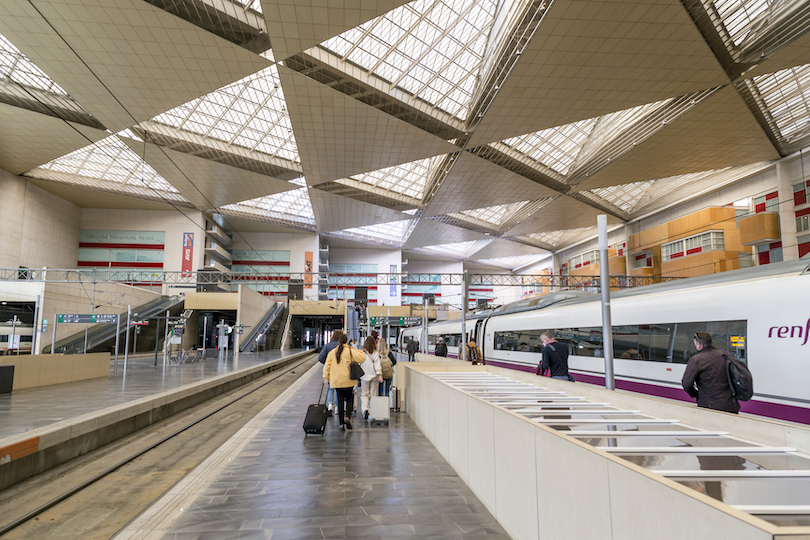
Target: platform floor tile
(371, 482)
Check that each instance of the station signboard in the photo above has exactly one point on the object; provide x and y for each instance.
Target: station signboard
(86, 318)
(395, 321)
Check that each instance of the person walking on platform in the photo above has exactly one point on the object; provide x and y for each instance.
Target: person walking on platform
(372, 375)
(387, 364)
(412, 347)
(330, 394)
(336, 373)
(555, 358)
(706, 377)
(441, 348)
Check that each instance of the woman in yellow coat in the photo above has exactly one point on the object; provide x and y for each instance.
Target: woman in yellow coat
(336, 373)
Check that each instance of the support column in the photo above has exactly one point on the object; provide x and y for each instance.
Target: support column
(787, 216)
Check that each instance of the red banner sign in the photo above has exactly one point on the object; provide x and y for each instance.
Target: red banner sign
(188, 253)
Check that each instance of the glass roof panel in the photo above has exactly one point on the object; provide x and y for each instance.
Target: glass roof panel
(513, 262)
(555, 147)
(554, 238)
(251, 113)
(786, 95)
(625, 196)
(292, 203)
(394, 233)
(17, 67)
(492, 214)
(737, 16)
(432, 49)
(457, 249)
(109, 159)
(409, 179)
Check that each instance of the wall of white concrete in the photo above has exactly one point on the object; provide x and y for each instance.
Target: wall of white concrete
(172, 222)
(383, 258)
(39, 228)
(296, 243)
(540, 484)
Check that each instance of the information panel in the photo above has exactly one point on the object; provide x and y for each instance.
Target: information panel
(86, 318)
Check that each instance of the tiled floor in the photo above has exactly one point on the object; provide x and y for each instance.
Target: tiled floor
(371, 482)
(32, 408)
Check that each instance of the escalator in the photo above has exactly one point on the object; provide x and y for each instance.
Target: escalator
(100, 333)
(257, 333)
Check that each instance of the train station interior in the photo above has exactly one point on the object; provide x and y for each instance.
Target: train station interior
(198, 194)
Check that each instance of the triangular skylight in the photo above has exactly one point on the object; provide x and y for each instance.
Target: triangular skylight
(16, 67)
(556, 147)
(737, 15)
(392, 234)
(460, 250)
(511, 263)
(624, 196)
(785, 96)
(555, 238)
(255, 5)
(431, 49)
(494, 215)
(287, 204)
(110, 160)
(250, 113)
(409, 179)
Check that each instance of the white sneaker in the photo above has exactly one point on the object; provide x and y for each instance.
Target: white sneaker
(330, 407)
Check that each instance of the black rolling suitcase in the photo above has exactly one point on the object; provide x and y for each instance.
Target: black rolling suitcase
(317, 414)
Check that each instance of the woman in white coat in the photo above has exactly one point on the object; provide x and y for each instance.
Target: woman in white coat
(372, 376)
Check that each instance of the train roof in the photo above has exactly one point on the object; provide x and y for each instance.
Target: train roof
(768, 271)
(477, 315)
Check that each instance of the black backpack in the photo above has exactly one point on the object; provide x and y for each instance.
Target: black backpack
(739, 379)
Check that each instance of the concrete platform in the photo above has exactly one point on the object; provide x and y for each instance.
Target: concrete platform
(33, 408)
(52, 425)
(370, 482)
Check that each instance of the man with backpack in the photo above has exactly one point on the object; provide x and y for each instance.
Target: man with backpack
(706, 377)
(441, 348)
(412, 348)
(474, 355)
(555, 358)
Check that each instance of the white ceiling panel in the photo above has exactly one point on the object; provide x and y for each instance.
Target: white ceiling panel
(207, 184)
(589, 59)
(334, 212)
(718, 133)
(85, 197)
(561, 213)
(339, 136)
(429, 233)
(506, 248)
(123, 60)
(29, 139)
(475, 183)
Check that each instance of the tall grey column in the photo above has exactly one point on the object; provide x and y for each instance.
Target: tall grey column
(604, 282)
(465, 290)
(425, 326)
(787, 216)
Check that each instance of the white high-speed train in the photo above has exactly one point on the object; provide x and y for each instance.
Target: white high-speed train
(760, 314)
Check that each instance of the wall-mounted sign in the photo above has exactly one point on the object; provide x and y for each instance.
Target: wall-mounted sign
(188, 253)
(86, 318)
(308, 269)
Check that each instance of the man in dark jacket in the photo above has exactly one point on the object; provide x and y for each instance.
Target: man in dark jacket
(330, 394)
(412, 348)
(555, 358)
(441, 348)
(706, 377)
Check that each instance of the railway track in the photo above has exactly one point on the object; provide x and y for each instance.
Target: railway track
(94, 496)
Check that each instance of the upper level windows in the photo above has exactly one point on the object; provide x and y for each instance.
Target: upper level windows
(692, 245)
(767, 203)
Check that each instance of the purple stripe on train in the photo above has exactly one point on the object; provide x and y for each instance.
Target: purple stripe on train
(791, 413)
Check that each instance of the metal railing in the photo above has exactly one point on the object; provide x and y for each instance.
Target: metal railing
(212, 277)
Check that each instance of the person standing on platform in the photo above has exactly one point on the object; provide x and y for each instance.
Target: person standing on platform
(372, 375)
(387, 364)
(474, 355)
(706, 377)
(411, 348)
(336, 373)
(441, 348)
(555, 358)
(330, 394)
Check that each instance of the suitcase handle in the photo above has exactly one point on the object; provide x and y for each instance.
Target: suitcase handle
(321, 395)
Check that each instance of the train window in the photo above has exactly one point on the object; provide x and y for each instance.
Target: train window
(452, 340)
(670, 342)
